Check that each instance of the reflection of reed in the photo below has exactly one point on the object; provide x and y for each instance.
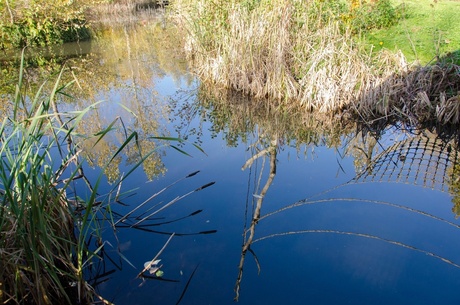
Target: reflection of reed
(426, 159)
(308, 201)
(418, 159)
(397, 243)
(421, 160)
(311, 200)
(248, 235)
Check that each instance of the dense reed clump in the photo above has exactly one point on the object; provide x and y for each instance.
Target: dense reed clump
(303, 53)
(46, 224)
(286, 50)
(36, 223)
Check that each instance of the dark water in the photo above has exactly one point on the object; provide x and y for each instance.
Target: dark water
(380, 229)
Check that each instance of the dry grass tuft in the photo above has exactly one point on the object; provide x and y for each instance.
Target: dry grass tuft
(247, 50)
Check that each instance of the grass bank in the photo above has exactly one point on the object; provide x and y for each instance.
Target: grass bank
(310, 55)
(428, 31)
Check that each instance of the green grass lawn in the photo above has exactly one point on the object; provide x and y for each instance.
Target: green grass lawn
(429, 29)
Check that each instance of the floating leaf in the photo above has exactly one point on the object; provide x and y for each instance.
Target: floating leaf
(159, 273)
(151, 264)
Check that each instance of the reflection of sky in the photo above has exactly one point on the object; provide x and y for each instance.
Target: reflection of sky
(309, 268)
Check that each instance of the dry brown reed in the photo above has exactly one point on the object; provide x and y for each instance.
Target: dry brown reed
(127, 11)
(418, 94)
(293, 53)
(284, 50)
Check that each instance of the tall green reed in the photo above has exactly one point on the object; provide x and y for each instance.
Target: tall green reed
(46, 228)
(35, 217)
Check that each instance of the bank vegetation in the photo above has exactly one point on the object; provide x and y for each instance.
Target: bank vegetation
(309, 55)
(302, 55)
(52, 217)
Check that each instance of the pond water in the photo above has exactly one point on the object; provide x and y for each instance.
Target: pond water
(346, 216)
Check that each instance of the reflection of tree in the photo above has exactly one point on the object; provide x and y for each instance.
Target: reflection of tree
(454, 188)
(128, 58)
(248, 234)
(99, 154)
(237, 115)
(362, 147)
(152, 165)
(124, 63)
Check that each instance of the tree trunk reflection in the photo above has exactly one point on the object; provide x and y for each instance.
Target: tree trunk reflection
(248, 233)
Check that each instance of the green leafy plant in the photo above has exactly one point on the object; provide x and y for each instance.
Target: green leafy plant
(369, 16)
(40, 23)
(48, 225)
(36, 219)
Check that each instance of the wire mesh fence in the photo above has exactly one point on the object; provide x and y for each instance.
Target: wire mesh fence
(420, 160)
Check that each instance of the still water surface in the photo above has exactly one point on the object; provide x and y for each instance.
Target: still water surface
(388, 236)
(360, 243)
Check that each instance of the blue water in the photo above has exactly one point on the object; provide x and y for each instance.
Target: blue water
(344, 241)
(364, 243)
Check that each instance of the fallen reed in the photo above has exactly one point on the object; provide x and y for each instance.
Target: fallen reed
(417, 94)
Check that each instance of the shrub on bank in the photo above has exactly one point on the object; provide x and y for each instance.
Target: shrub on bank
(374, 15)
(41, 22)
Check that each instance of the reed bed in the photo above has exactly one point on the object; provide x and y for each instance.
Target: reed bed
(48, 227)
(286, 50)
(302, 53)
(127, 11)
(37, 262)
